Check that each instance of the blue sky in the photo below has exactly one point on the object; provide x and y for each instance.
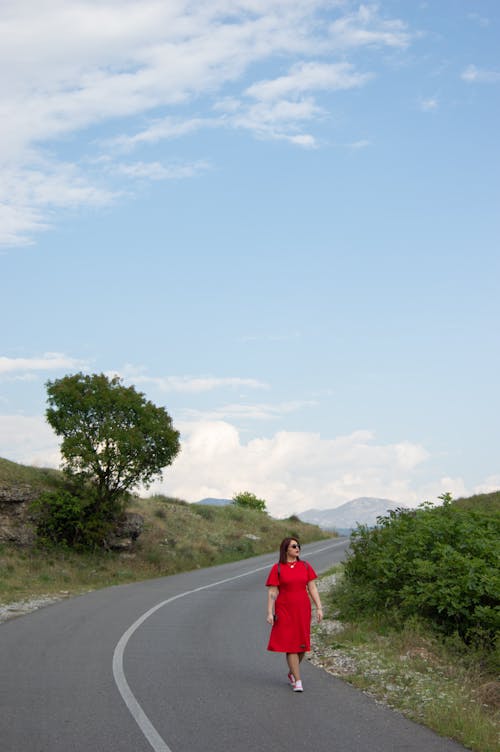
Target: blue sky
(278, 219)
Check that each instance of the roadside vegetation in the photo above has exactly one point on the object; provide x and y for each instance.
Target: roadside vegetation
(413, 617)
(177, 537)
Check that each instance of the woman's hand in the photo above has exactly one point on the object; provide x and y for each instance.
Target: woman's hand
(319, 614)
(272, 594)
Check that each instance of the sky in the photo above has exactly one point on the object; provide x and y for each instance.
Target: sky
(279, 219)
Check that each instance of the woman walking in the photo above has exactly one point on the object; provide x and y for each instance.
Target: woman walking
(290, 583)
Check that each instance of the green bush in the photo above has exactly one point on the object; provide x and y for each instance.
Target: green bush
(65, 518)
(439, 563)
(248, 500)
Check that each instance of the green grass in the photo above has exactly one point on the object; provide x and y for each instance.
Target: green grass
(488, 503)
(12, 474)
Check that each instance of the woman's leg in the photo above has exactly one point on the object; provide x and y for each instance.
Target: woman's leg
(293, 660)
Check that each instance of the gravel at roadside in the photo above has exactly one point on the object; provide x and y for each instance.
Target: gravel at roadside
(18, 608)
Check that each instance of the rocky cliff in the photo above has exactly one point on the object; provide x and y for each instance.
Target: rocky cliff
(17, 525)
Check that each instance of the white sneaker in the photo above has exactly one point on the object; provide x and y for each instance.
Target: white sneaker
(297, 687)
(291, 679)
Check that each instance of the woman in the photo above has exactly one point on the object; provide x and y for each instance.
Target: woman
(290, 583)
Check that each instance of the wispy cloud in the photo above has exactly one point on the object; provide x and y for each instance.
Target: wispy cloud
(28, 195)
(365, 28)
(307, 77)
(473, 74)
(259, 411)
(363, 143)
(161, 130)
(480, 20)
(159, 171)
(284, 104)
(80, 64)
(281, 120)
(188, 384)
(429, 105)
(46, 362)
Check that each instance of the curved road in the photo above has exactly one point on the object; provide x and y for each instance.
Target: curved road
(179, 664)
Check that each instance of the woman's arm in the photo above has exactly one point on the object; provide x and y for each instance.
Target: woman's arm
(272, 594)
(313, 592)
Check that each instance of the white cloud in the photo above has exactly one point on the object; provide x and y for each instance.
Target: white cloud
(28, 440)
(429, 104)
(361, 144)
(47, 362)
(305, 77)
(293, 471)
(187, 384)
(303, 139)
(28, 195)
(281, 120)
(76, 64)
(18, 222)
(473, 74)
(160, 130)
(281, 108)
(158, 171)
(366, 28)
(446, 484)
(491, 483)
(261, 411)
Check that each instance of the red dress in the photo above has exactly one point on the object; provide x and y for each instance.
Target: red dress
(291, 631)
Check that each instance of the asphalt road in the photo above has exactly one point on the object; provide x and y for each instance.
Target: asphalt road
(179, 664)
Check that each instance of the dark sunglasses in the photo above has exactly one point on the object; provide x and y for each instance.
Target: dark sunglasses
(294, 545)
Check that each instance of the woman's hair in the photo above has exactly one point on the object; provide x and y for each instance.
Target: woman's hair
(284, 547)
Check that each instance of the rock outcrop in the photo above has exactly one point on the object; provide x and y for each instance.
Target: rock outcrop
(126, 532)
(17, 525)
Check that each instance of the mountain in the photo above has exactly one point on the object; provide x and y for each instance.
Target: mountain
(215, 502)
(364, 510)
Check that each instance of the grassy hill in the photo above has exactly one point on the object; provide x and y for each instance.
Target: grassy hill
(177, 537)
(12, 474)
(488, 503)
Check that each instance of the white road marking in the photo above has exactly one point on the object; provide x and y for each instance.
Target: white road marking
(138, 714)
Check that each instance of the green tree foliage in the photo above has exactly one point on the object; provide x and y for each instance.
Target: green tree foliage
(440, 563)
(248, 500)
(113, 438)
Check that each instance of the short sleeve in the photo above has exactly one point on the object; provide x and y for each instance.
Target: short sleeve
(311, 574)
(273, 580)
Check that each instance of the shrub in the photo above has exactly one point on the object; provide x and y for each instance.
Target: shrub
(67, 518)
(248, 500)
(440, 563)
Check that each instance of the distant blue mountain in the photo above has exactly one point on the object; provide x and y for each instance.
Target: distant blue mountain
(345, 517)
(215, 502)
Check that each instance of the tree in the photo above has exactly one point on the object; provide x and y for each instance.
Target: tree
(248, 500)
(113, 437)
